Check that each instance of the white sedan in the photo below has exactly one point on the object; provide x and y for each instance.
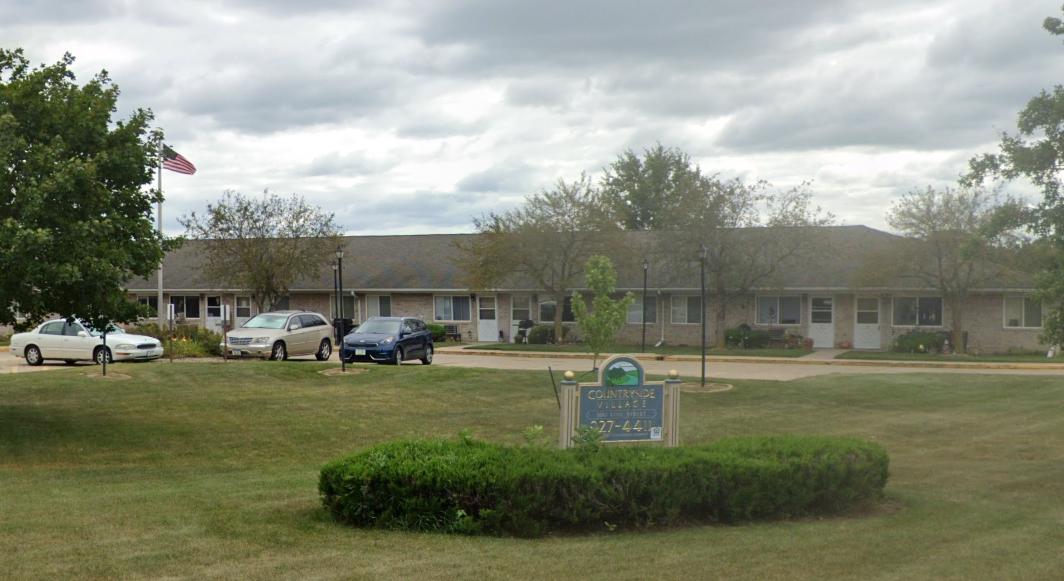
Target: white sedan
(72, 342)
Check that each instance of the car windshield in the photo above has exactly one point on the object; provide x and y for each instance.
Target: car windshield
(378, 327)
(266, 322)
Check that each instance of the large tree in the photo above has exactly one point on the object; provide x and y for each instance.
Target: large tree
(263, 245)
(75, 217)
(1036, 152)
(753, 237)
(546, 242)
(953, 242)
(644, 192)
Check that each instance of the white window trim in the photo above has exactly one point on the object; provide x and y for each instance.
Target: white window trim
(370, 299)
(942, 314)
(757, 310)
(452, 320)
(236, 306)
(184, 306)
(513, 308)
(672, 312)
(1023, 311)
(639, 301)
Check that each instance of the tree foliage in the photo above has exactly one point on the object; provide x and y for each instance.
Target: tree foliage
(753, 237)
(606, 316)
(645, 192)
(75, 219)
(1036, 152)
(263, 245)
(544, 243)
(954, 243)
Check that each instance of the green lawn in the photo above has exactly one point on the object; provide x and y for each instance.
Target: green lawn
(663, 350)
(209, 471)
(891, 356)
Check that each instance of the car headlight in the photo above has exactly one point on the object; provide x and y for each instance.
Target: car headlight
(388, 340)
(125, 346)
(261, 340)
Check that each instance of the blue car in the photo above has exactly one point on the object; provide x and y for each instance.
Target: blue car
(388, 340)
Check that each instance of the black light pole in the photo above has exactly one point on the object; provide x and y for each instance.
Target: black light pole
(336, 292)
(702, 262)
(340, 279)
(646, 265)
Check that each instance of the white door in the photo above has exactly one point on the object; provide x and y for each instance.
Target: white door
(487, 322)
(822, 321)
(214, 314)
(866, 333)
(243, 311)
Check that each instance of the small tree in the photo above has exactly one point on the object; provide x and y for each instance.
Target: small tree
(264, 245)
(606, 316)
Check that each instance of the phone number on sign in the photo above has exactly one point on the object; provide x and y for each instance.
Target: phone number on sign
(608, 426)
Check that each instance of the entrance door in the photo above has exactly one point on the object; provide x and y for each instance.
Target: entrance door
(866, 333)
(214, 314)
(487, 322)
(822, 321)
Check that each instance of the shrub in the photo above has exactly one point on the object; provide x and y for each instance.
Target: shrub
(543, 334)
(468, 486)
(793, 341)
(188, 340)
(439, 334)
(743, 337)
(919, 342)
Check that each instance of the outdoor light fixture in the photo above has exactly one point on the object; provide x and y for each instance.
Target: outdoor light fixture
(702, 262)
(646, 266)
(340, 281)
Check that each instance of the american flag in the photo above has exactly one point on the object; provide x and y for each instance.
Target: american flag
(174, 161)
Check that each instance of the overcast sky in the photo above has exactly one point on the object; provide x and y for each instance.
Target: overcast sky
(411, 116)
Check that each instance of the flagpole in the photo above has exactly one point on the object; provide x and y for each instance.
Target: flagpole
(159, 305)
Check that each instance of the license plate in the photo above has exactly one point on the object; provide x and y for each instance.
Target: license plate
(360, 351)
(237, 352)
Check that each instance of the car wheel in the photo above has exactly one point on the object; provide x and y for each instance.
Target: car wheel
(33, 355)
(69, 361)
(324, 350)
(427, 359)
(398, 359)
(279, 352)
(100, 353)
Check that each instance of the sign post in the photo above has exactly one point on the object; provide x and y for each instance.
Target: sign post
(621, 405)
(170, 318)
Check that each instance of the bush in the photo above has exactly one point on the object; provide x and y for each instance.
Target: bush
(919, 342)
(743, 337)
(793, 341)
(475, 487)
(439, 334)
(543, 334)
(188, 340)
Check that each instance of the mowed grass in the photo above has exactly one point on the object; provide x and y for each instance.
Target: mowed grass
(930, 357)
(209, 471)
(629, 349)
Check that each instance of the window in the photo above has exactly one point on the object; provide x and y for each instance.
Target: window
(53, 328)
(686, 309)
(918, 311)
(214, 307)
(350, 312)
(548, 307)
(1023, 312)
(379, 305)
(522, 310)
(186, 306)
(452, 308)
(635, 311)
(776, 310)
(152, 302)
(243, 306)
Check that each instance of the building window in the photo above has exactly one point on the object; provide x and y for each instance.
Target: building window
(379, 305)
(214, 307)
(152, 302)
(686, 309)
(548, 307)
(243, 307)
(187, 307)
(776, 310)
(917, 311)
(452, 308)
(521, 309)
(1023, 312)
(635, 311)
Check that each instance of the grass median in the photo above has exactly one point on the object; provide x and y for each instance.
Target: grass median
(206, 471)
(664, 350)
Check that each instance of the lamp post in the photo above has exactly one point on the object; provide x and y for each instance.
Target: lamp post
(702, 263)
(336, 292)
(646, 265)
(340, 300)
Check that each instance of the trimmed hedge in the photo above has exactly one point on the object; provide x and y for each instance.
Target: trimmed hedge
(481, 488)
(743, 337)
(543, 334)
(439, 333)
(920, 342)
